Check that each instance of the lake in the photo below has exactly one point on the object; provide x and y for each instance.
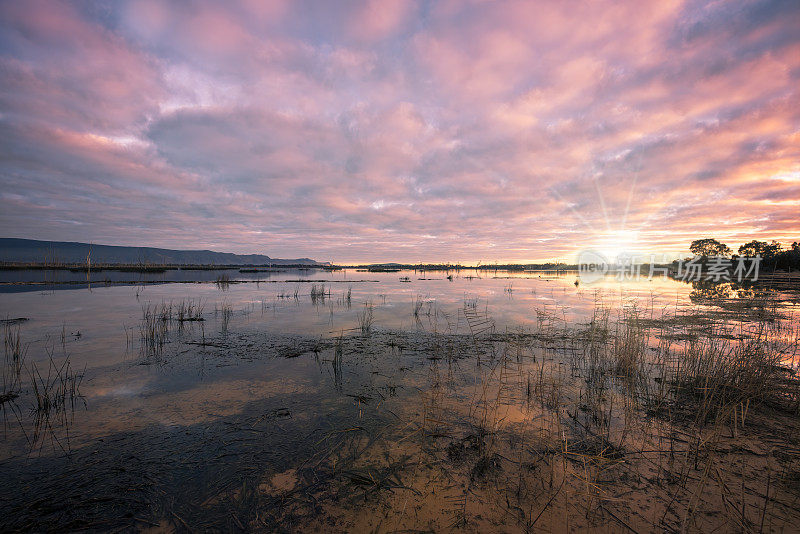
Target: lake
(351, 400)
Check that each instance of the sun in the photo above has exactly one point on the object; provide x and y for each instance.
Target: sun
(616, 244)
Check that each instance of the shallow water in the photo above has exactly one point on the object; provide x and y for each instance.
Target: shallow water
(261, 391)
(101, 324)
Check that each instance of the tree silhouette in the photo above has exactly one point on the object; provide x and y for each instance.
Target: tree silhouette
(709, 247)
(760, 248)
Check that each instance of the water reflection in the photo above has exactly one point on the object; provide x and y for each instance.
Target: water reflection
(274, 382)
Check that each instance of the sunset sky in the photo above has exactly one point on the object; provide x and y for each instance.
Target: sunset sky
(401, 131)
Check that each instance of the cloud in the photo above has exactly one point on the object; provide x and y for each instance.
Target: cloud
(400, 130)
(64, 71)
(379, 19)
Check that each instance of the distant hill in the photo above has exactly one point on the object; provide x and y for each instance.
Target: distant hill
(30, 250)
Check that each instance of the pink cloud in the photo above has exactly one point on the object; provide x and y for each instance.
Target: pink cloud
(379, 19)
(507, 130)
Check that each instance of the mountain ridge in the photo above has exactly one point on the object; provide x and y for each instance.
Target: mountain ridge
(14, 249)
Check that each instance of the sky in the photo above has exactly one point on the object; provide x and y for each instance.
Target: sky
(436, 131)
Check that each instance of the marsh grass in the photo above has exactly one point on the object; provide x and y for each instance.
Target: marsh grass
(338, 354)
(154, 329)
(53, 393)
(189, 310)
(623, 421)
(624, 398)
(365, 319)
(346, 298)
(289, 294)
(319, 293)
(57, 391)
(720, 378)
(224, 311)
(13, 363)
(12, 367)
(416, 305)
(223, 282)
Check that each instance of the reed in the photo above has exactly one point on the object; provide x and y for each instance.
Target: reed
(223, 282)
(189, 310)
(319, 293)
(154, 329)
(365, 318)
(13, 362)
(58, 390)
(55, 395)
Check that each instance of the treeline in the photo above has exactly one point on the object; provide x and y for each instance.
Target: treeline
(773, 255)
